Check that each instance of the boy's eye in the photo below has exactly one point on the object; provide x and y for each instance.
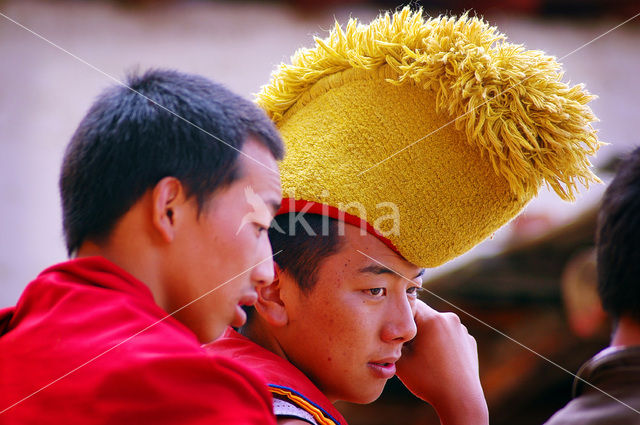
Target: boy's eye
(261, 228)
(413, 291)
(377, 292)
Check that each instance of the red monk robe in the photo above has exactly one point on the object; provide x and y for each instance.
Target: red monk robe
(86, 344)
(284, 379)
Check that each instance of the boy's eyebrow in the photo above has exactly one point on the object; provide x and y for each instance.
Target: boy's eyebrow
(378, 269)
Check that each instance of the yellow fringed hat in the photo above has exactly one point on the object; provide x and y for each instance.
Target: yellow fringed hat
(434, 132)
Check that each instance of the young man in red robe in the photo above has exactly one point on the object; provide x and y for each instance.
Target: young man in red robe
(165, 250)
(407, 145)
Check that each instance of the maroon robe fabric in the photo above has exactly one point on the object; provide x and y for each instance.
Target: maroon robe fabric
(86, 344)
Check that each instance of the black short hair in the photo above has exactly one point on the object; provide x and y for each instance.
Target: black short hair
(302, 242)
(127, 143)
(618, 241)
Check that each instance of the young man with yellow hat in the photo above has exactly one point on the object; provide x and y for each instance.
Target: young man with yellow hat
(408, 141)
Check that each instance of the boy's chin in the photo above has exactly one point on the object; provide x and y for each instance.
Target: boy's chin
(367, 398)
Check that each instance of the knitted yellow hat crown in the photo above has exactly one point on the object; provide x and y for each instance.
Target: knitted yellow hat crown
(440, 122)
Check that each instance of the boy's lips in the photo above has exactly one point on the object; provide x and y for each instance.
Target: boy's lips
(384, 360)
(249, 299)
(240, 317)
(384, 368)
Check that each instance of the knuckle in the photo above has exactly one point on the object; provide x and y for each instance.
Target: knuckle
(473, 341)
(452, 317)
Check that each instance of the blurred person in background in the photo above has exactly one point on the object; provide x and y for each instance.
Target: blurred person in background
(409, 141)
(153, 187)
(607, 387)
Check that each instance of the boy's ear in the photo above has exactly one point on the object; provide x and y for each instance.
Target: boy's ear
(168, 199)
(270, 305)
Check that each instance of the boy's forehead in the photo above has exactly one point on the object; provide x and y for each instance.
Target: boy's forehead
(259, 170)
(359, 239)
(367, 254)
(255, 153)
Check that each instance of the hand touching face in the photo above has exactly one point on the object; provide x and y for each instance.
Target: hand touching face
(347, 333)
(440, 366)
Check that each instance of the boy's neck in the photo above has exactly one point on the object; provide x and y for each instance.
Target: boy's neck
(129, 250)
(260, 333)
(627, 333)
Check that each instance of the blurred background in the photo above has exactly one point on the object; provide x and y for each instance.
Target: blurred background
(527, 293)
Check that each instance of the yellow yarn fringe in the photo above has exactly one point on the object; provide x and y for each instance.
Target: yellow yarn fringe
(510, 102)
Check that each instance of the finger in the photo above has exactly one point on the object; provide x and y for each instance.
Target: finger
(424, 308)
(452, 317)
(473, 341)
